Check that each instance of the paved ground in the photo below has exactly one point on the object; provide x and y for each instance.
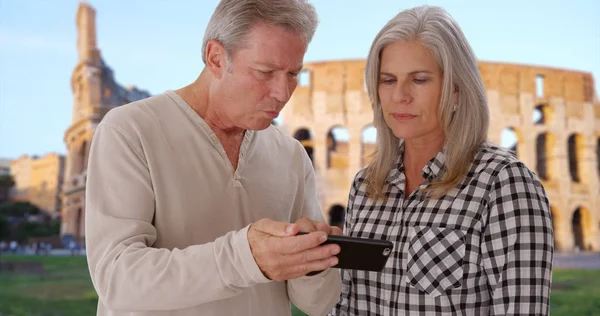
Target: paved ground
(577, 260)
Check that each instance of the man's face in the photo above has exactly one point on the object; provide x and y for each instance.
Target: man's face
(261, 77)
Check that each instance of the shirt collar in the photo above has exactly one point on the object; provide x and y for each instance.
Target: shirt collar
(434, 169)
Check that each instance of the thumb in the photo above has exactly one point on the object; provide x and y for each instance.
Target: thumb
(275, 228)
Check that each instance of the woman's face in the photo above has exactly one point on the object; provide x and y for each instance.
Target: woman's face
(410, 88)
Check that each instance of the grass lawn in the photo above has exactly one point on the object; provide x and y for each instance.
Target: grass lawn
(575, 292)
(65, 289)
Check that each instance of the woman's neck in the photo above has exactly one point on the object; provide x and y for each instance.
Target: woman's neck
(418, 152)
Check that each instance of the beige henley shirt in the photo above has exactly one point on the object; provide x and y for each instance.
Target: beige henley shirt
(167, 216)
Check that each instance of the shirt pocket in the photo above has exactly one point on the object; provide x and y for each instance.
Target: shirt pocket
(435, 259)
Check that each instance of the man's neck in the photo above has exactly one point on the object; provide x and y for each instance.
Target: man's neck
(198, 97)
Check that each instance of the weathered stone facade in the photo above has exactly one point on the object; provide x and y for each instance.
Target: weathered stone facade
(561, 146)
(38, 180)
(95, 92)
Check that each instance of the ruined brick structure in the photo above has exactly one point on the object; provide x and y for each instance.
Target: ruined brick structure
(561, 145)
(95, 92)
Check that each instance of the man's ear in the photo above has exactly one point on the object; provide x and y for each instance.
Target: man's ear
(216, 60)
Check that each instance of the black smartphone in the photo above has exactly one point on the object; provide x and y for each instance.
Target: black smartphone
(360, 253)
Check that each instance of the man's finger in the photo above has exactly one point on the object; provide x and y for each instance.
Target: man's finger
(318, 265)
(336, 231)
(305, 225)
(314, 254)
(275, 228)
(324, 227)
(300, 243)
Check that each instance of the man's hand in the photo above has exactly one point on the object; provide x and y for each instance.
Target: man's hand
(281, 255)
(307, 225)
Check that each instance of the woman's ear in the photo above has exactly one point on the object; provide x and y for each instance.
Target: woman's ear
(455, 95)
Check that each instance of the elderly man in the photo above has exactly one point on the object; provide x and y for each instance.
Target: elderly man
(194, 199)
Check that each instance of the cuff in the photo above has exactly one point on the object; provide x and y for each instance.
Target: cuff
(240, 242)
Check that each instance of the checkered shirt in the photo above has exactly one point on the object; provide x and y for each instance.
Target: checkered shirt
(485, 248)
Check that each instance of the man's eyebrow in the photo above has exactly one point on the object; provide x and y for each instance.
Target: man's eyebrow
(299, 69)
(273, 66)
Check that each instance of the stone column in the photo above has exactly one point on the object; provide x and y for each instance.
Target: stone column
(354, 152)
(561, 226)
(527, 137)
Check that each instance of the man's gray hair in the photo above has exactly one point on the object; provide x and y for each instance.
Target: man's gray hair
(465, 123)
(233, 20)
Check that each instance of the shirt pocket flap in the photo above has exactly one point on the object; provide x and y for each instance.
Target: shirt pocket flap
(435, 259)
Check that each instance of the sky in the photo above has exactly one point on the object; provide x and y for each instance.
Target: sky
(155, 45)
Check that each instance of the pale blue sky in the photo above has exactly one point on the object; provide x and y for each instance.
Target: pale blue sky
(155, 44)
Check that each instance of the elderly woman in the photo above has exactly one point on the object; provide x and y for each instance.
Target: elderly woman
(470, 223)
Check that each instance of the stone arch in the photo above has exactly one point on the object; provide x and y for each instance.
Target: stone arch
(368, 145)
(79, 154)
(83, 154)
(510, 139)
(305, 137)
(575, 144)
(545, 162)
(305, 78)
(78, 225)
(581, 227)
(337, 147)
(542, 114)
(337, 214)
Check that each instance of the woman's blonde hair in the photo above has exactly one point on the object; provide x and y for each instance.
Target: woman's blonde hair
(465, 127)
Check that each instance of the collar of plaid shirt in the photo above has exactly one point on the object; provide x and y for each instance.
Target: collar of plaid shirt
(434, 169)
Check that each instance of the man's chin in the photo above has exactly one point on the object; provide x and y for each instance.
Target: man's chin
(259, 126)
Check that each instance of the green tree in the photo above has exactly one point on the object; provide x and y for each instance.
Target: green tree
(15, 224)
(4, 228)
(19, 209)
(6, 181)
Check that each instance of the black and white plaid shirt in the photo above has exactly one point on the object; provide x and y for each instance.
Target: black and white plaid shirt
(486, 248)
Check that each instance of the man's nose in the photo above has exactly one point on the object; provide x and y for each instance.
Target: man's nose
(280, 89)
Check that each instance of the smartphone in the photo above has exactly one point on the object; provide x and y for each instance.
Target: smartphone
(360, 253)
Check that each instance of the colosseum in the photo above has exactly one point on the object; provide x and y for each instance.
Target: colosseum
(553, 115)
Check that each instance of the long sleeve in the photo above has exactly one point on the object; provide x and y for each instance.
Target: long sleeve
(314, 295)
(517, 244)
(129, 274)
